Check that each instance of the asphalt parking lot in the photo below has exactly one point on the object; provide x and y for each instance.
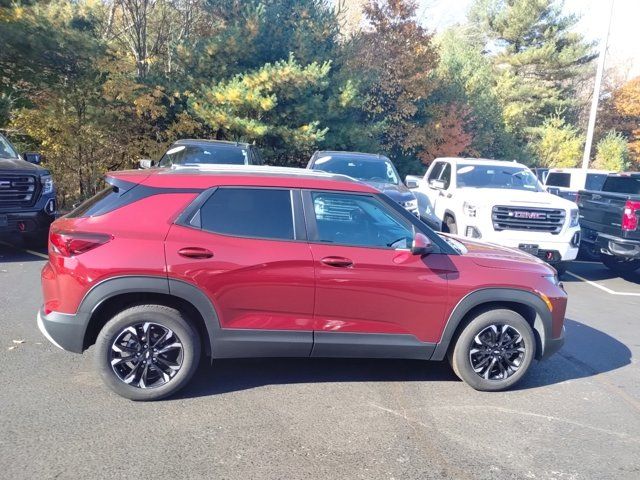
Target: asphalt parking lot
(575, 416)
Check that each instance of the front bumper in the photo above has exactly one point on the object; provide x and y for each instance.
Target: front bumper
(26, 221)
(65, 331)
(552, 345)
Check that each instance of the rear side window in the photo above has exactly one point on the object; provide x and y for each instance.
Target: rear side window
(557, 179)
(595, 181)
(249, 212)
(629, 185)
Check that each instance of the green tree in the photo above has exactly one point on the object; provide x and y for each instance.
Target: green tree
(612, 152)
(556, 143)
(276, 105)
(539, 57)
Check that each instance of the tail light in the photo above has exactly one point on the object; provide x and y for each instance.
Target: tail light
(69, 244)
(629, 216)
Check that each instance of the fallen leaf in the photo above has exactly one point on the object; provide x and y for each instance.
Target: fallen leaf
(19, 341)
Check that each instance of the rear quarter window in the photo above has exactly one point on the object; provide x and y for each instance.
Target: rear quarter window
(630, 185)
(558, 179)
(105, 200)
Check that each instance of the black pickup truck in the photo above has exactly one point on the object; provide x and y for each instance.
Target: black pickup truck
(609, 221)
(27, 196)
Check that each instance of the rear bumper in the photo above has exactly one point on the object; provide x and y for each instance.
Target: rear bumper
(65, 331)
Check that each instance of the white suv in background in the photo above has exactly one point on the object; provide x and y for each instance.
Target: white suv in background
(498, 202)
(566, 182)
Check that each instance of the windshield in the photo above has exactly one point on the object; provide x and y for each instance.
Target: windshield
(498, 176)
(367, 169)
(6, 150)
(205, 154)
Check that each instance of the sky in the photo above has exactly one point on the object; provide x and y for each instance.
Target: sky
(624, 39)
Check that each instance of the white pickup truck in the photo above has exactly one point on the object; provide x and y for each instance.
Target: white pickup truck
(498, 202)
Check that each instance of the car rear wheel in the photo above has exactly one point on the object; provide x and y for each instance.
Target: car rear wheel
(494, 351)
(620, 265)
(147, 352)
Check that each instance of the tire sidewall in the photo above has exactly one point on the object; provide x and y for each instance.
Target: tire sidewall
(164, 316)
(460, 357)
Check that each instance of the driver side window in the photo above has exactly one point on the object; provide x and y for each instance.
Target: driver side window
(358, 220)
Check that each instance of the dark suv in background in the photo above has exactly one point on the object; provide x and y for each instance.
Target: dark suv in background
(194, 152)
(373, 169)
(27, 196)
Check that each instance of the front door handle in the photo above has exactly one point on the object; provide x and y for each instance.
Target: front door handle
(337, 262)
(195, 252)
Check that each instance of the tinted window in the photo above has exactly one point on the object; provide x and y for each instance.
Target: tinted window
(434, 174)
(6, 150)
(218, 154)
(445, 176)
(595, 181)
(358, 220)
(102, 201)
(629, 185)
(557, 179)
(249, 212)
(496, 176)
(369, 169)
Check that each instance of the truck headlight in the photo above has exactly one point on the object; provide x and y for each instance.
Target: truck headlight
(574, 215)
(47, 184)
(469, 209)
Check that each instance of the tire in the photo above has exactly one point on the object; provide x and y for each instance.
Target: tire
(172, 366)
(450, 225)
(482, 325)
(619, 265)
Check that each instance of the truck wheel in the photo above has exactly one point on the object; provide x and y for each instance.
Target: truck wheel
(450, 225)
(494, 351)
(620, 265)
(147, 352)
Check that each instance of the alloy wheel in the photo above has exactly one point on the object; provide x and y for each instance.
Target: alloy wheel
(146, 355)
(497, 352)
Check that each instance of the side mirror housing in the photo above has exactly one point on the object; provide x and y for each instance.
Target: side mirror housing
(553, 190)
(146, 163)
(421, 244)
(437, 184)
(32, 157)
(411, 181)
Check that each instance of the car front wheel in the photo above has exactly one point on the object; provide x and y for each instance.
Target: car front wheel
(147, 352)
(494, 351)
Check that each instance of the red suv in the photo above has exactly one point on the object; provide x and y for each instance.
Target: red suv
(166, 264)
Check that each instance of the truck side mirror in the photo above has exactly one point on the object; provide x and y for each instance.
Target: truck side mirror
(411, 181)
(437, 184)
(146, 163)
(32, 157)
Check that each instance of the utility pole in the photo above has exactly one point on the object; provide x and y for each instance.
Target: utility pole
(596, 92)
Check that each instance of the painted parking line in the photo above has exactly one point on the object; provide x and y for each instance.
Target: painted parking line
(32, 252)
(602, 287)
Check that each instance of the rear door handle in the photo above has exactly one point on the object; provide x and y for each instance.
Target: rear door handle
(337, 262)
(195, 252)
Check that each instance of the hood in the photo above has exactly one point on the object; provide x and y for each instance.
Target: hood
(398, 193)
(516, 198)
(490, 255)
(19, 165)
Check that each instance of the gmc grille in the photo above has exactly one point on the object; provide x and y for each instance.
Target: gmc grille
(18, 190)
(531, 219)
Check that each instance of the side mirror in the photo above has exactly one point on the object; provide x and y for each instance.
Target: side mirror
(553, 190)
(421, 244)
(32, 157)
(146, 163)
(411, 181)
(437, 184)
